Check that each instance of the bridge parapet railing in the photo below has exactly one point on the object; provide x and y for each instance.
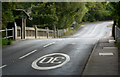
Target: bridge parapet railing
(117, 34)
(18, 32)
(31, 33)
(7, 33)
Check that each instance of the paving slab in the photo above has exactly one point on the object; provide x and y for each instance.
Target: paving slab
(111, 41)
(103, 60)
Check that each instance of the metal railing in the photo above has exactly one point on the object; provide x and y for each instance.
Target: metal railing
(117, 34)
(7, 35)
(30, 33)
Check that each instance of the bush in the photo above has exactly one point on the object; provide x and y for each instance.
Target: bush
(6, 42)
(118, 45)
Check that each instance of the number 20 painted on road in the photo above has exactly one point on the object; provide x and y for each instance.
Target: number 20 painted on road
(47, 60)
(50, 61)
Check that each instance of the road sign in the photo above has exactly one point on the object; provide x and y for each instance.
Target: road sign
(50, 61)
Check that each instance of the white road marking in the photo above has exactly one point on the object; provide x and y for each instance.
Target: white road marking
(111, 41)
(106, 54)
(48, 44)
(93, 31)
(35, 66)
(82, 25)
(73, 43)
(3, 66)
(27, 54)
(77, 35)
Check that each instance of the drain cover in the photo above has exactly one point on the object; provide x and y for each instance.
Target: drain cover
(106, 54)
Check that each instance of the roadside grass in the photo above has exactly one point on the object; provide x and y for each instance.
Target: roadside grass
(72, 31)
(118, 45)
(110, 25)
(5, 42)
(68, 33)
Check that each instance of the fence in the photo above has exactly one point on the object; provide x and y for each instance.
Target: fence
(7, 33)
(31, 33)
(34, 32)
(18, 32)
(117, 34)
(61, 32)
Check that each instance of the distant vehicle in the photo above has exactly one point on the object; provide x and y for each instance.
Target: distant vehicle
(73, 25)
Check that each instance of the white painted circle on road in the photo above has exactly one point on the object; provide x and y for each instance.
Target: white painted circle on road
(50, 61)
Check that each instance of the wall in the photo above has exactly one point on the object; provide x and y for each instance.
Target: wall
(37, 33)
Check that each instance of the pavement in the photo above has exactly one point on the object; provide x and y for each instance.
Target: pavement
(103, 59)
(58, 56)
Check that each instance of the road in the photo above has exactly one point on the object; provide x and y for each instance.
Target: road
(60, 56)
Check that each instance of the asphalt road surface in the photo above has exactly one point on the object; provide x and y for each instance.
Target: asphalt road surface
(60, 56)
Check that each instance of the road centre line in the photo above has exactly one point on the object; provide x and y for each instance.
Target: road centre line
(3, 66)
(73, 43)
(94, 29)
(48, 44)
(27, 54)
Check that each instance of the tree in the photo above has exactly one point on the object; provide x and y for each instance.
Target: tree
(7, 14)
(68, 12)
(115, 15)
(59, 14)
(97, 11)
(44, 14)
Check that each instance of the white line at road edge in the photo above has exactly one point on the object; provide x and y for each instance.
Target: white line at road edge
(35, 66)
(48, 44)
(3, 66)
(27, 54)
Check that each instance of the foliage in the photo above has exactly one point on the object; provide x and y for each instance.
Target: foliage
(59, 14)
(44, 14)
(116, 12)
(6, 42)
(97, 11)
(7, 14)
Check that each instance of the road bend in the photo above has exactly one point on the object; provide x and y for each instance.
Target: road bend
(59, 56)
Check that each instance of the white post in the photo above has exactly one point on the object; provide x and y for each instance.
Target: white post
(15, 30)
(54, 31)
(36, 32)
(115, 33)
(47, 31)
(6, 33)
(23, 28)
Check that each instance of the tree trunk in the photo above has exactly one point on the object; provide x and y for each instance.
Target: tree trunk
(113, 29)
(119, 23)
(55, 35)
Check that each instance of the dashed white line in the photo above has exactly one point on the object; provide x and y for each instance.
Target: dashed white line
(48, 44)
(27, 54)
(77, 35)
(73, 43)
(93, 31)
(82, 25)
(3, 66)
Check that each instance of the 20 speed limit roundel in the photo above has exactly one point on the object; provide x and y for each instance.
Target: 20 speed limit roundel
(50, 61)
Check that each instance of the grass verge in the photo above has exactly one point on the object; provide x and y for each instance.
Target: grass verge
(68, 33)
(110, 25)
(72, 31)
(118, 45)
(5, 42)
